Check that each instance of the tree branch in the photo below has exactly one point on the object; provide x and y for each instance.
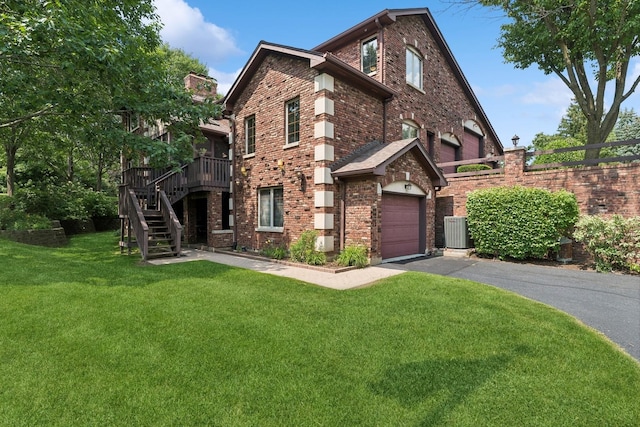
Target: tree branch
(12, 122)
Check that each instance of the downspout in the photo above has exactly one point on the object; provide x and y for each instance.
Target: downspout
(384, 120)
(232, 121)
(382, 78)
(343, 213)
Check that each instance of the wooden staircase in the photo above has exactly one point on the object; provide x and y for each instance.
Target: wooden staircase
(146, 198)
(160, 242)
(154, 229)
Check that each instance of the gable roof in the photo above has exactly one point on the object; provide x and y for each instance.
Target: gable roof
(373, 159)
(319, 61)
(372, 25)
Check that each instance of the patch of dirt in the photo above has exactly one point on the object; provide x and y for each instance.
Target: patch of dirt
(571, 265)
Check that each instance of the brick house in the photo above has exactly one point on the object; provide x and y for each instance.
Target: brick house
(344, 138)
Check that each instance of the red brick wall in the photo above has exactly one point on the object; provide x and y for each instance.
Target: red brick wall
(278, 80)
(442, 108)
(599, 189)
(217, 237)
(358, 119)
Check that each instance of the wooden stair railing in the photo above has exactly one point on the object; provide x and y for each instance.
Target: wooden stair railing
(173, 184)
(157, 232)
(137, 222)
(172, 222)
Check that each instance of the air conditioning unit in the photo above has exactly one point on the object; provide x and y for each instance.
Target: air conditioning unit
(456, 232)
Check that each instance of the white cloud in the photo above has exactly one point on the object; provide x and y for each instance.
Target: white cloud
(186, 28)
(552, 92)
(225, 80)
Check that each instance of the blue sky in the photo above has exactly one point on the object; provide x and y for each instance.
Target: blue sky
(224, 34)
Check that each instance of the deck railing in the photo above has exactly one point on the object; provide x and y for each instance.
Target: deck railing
(494, 162)
(203, 172)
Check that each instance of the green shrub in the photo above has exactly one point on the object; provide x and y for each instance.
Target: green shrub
(304, 249)
(353, 255)
(519, 222)
(14, 220)
(473, 168)
(98, 204)
(270, 250)
(68, 201)
(613, 242)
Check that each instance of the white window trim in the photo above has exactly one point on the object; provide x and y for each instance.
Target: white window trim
(417, 55)
(246, 135)
(286, 121)
(362, 44)
(293, 144)
(271, 201)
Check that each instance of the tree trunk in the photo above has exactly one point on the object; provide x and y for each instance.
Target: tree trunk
(594, 136)
(11, 150)
(100, 168)
(70, 167)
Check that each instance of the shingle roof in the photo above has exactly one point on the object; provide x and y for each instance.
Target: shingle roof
(373, 158)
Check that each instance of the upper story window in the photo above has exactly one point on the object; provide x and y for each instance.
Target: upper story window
(410, 130)
(293, 120)
(132, 122)
(250, 134)
(414, 68)
(370, 56)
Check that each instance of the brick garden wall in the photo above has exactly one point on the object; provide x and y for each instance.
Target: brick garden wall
(603, 190)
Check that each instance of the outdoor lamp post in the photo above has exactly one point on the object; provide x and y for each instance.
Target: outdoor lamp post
(515, 140)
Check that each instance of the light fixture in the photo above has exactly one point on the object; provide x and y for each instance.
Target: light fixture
(243, 171)
(281, 165)
(407, 186)
(515, 140)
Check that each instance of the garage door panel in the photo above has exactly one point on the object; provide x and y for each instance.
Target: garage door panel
(400, 226)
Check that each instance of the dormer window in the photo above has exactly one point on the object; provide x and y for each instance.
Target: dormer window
(370, 56)
(414, 68)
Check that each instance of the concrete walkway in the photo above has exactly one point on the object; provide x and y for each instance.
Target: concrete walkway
(341, 281)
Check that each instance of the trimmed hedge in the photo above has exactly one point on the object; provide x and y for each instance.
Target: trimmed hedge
(473, 168)
(519, 222)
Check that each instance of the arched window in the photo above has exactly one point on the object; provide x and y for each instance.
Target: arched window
(410, 129)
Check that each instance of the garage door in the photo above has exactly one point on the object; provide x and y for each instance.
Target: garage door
(400, 226)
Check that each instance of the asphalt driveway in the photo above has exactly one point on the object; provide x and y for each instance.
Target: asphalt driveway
(609, 303)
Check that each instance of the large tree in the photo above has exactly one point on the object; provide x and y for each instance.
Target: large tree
(83, 60)
(588, 44)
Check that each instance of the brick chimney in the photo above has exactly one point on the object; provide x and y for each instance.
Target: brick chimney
(201, 85)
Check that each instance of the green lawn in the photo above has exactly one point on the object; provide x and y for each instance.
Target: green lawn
(90, 337)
